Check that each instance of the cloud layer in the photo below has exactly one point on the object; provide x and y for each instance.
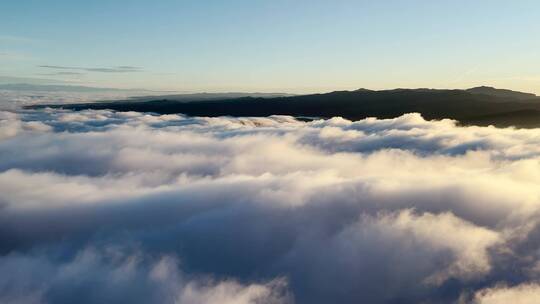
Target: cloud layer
(12, 100)
(99, 206)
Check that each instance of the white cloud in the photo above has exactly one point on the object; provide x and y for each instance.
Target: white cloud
(14, 100)
(244, 210)
(521, 294)
(115, 276)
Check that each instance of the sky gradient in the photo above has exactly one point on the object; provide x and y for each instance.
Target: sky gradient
(286, 46)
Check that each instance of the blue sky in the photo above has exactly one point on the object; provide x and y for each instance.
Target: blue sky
(293, 46)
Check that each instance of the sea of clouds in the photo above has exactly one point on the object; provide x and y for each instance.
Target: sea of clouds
(110, 207)
(12, 100)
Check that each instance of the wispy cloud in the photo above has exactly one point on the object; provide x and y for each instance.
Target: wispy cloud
(62, 73)
(17, 39)
(116, 69)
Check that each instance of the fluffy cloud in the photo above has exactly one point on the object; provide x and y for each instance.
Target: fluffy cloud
(99, 206)
(113, 276)
(521, 294)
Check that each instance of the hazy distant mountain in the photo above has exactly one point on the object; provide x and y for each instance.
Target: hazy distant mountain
(501, 93)
(501, 109)
(60, 88)
(208, 96)
(148, 94)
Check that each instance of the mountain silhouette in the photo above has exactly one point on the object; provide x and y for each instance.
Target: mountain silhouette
(502, 93)
(476, 106)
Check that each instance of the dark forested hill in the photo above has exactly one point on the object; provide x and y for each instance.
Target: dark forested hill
(480, 106)
(490, 91)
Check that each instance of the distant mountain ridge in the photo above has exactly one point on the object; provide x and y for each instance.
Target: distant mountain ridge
(61, 88)
(186, 97)
(148, 94)
(478, 106)
(491, 91)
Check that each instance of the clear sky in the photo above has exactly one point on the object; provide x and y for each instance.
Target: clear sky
(293, 46)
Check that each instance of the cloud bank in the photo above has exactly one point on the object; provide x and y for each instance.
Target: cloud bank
(108, 207)
(13, 100)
